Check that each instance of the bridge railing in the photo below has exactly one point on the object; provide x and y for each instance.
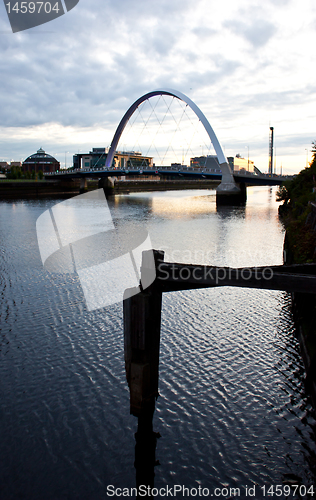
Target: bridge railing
(136, 169)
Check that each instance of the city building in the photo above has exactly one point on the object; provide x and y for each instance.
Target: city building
(209, 162)
(6, 167)
(40, 161)
(239, 164)
(177, 165)
(96, 159)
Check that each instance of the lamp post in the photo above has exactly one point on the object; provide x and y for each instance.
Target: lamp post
(66, 159)
(306, 157)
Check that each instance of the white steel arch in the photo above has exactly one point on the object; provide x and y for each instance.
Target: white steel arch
(227, 183)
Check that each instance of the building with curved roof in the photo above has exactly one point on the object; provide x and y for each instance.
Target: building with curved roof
(40, 161)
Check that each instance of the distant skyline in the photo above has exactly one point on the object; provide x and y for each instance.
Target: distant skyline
(248, 65)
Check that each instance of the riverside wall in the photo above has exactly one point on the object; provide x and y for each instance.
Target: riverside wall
(133, 186)
(11, 189)
(14, 189)
(304, 314)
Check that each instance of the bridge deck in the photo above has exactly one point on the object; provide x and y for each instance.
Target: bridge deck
(184, 173)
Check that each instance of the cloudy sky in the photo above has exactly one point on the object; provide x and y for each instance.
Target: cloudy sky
(247, 64)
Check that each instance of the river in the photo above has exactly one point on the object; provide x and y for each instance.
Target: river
(232, 411)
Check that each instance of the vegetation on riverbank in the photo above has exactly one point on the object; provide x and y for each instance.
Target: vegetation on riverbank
(298, 214)
(16, 173)
(297, 196)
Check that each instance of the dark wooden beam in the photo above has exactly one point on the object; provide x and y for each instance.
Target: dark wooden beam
(177, 276)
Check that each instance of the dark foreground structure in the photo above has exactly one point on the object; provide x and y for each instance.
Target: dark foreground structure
(142, 320)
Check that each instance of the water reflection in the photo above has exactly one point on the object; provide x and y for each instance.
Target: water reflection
(172, 204)
(145, 448)
(142, 345)
(293, 405)
(232, 408)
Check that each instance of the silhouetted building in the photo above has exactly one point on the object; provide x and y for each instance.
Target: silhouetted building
(96, 159)
(209, 162)
(40, 161)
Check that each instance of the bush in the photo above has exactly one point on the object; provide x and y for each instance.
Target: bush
(283, 194)
(296, 196)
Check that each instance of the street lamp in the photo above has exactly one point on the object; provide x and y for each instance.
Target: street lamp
(66, 159)
(306, 157)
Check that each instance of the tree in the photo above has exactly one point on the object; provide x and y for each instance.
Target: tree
(313, 150)
(283, 194)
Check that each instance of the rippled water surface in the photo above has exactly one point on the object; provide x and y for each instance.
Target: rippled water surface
(232, 409)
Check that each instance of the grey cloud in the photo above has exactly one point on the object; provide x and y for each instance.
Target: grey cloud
(281, 98)
(162, 42)
(77, 76)
(280, 2)
(236, 106)
(257, 31)
(159, 9)
(284, 145)
(206, 78)
(204, 32)
(253, 24)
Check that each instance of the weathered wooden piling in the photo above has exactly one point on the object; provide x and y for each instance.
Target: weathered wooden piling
(142, 319)
(142, 311)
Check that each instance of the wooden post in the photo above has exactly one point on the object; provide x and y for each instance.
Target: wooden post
(142, 319)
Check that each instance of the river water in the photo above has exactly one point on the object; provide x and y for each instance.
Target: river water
(232, 411)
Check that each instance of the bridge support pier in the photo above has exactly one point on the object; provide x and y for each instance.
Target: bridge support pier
(83, 185)
(107, 183)
(228, 192)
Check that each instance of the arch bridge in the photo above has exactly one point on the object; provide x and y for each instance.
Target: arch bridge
(231, 187)
(228, 188)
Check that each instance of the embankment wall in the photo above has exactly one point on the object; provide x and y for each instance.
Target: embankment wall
(41, 189)
(304, 312)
